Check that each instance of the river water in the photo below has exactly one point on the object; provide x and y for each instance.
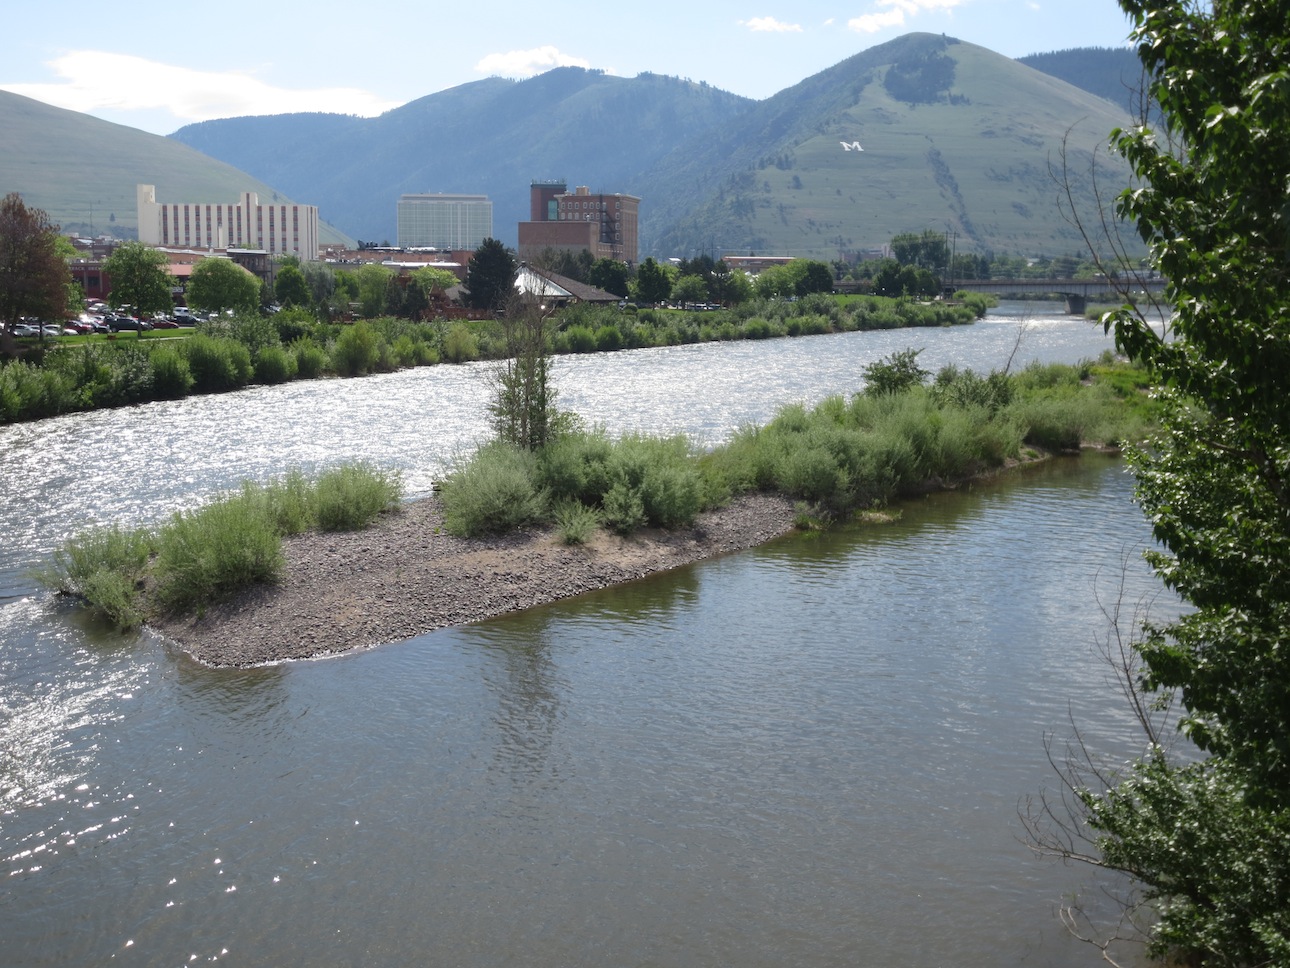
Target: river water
(811, 753)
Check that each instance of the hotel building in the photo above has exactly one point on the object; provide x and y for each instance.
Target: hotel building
(278, 229)
(439, 221)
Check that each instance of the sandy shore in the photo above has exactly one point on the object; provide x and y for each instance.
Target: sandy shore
(407, 576)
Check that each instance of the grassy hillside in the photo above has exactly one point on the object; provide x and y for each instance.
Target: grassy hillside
(83, 171)
(1114, 73)
(956, 138)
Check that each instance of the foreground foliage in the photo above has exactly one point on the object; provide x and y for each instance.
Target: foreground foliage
(1209, 838)
(206, 555)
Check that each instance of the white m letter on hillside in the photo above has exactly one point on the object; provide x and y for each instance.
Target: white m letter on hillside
(851, 146)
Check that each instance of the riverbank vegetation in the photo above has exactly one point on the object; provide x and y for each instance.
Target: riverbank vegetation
(905, 433)
(205, 555)
(901, 435)
(229, 353)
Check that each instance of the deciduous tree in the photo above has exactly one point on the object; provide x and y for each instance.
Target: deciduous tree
(290, 287)
(1209, 836)
(33, 272)
(218, 284)
(139, 278)
(653, 283)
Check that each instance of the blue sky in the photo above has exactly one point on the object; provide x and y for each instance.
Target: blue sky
(158, 66)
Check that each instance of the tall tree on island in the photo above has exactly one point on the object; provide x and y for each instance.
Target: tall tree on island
(1207, 833)
(33, 270)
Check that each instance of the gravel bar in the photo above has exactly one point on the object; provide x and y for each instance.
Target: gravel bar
(406, 575)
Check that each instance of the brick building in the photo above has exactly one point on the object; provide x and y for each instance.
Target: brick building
(603, 224)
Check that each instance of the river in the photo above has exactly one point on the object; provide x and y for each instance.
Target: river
(811, 753)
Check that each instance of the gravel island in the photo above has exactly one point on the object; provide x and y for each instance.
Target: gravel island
(406, 576)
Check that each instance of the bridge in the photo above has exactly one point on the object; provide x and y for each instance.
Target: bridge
(1076, 291)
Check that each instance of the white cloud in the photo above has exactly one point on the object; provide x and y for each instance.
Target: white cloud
(894, 14)
(527, 63)
(770, 25)
(92, 81)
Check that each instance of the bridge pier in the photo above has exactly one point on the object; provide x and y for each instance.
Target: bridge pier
(1075, 303)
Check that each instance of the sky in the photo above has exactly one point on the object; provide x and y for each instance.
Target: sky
(159, 66)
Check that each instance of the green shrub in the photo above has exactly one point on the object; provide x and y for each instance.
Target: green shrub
(217, 363)
(104, 567)
(311, 359)
(575, 523)
(662, 474)
(29, 392)
(287, 502)
(579, 339)
(623, 509)
(208, 554)
(357, 350)
(273, 364)
(576, 467)
(608, 339)
(350, 497)
(460, 345)
(810, 472)
(172, 377)
(493, 491)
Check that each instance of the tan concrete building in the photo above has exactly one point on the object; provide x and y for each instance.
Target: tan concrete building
(281, 229)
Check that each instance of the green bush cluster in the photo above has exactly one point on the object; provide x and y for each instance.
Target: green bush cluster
(202, 556)
(224, 354)
(230, 352)
(839, 455)
(626, 484)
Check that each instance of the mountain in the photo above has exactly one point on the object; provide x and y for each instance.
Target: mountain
(491, 137)
(1114, 73)
(922, 132)
(83, 171)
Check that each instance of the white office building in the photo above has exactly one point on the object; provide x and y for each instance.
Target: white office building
(278, 229)
(440, 221)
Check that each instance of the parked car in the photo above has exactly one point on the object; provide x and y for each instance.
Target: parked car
(25, 329)
(122, 323)
(51, 329)
(161, 322)
(184, 316)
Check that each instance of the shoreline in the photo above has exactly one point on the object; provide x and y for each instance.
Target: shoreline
(406, 576)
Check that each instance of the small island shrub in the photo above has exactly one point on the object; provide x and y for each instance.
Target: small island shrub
(576, 466)
(493, 491)
(623, 509)
(206, 555)
(661, 472)
(575, 523)
(350, 497)
(103, 567)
